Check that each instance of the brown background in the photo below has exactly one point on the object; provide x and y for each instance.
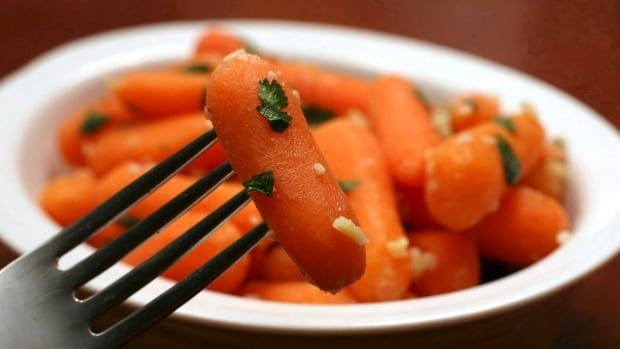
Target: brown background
(574, 45)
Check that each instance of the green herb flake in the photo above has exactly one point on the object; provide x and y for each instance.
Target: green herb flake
(422, 98)
(316, 115)
(507, 123)
(347, 186)
(510, 162)
(127, 221)
(93, 122)
(273, 100)
(198, 68)
(261, 183)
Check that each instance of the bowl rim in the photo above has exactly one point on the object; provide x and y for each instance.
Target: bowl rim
(171, 40)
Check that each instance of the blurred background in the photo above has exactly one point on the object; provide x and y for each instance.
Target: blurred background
(574, 45)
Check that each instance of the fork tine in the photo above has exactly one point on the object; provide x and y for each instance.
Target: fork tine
(155, 265)
(75, 234)
(181, 292)
(109, 254)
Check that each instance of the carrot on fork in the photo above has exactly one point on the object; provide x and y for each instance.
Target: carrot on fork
(355, 155)
(260, 124)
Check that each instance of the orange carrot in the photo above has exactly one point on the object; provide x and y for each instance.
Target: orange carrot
(68, 197)
(443, 262)
(473, 109)
(355, 155)
(162, 93)
(202, 253)
(524, 229)
(278, 266)
(465, 174)
(150, 142)
(88, 123)
(294, 292)
(107, 234)
(258, 256)
(400, 121)
(318, 87)
(413, 210)
(549, 174)
(215, 41)
(308, 213)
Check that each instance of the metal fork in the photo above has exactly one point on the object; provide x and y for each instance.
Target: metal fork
(38, 307)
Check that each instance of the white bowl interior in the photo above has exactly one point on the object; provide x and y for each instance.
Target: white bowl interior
(64, 79)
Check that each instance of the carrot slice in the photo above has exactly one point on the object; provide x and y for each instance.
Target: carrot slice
(473, 109)
(525, 228)
(162, 93)
(400, 121)
(354, 154)
(308, 213)
(294, 292)
(330, 90)
(443, 262)
(68, 197)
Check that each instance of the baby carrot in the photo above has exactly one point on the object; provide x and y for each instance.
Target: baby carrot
(68, 197)
(413, 210)
(262, 128)
(107, 234)
(202, 253)
(473, 109)
(400, 121)
(162, 93)
(294, 292)
(87, 123)
(525, 228)
(442, 262)
(549, 174)
(150, 142)
(467, 174)
(318, 87)
(216, 41)
(278, 266)
(354, 154)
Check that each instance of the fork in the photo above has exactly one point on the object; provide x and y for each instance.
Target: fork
(38, 306)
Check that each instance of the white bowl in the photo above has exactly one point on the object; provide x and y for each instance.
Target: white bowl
(34, 99)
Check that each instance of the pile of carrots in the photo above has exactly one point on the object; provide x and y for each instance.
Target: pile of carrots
(440, 192)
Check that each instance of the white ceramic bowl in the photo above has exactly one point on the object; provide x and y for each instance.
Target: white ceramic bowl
(34, 99)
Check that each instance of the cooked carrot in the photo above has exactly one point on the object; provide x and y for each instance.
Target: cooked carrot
(294, 292)
(151, 142)
(257, 256)
(467, 174)
(442, 262)
(413, 210)
(524, 229)
(549, 174)
(473, 109)
(88, 123)
(107, 234)
(319, 87)
(214, 40)
(400, 121)
(162, 93)
(202, 253)
(68, 197)
(308, 213)
(354, 154)
(277, 265)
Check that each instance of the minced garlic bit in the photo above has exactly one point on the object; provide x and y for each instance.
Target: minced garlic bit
(421, 261)
(358, 118)
(489, 140)
(273, 75)
(347, 227)
(442, 120)
(464, 138)
(557, 168)
(563, 236)
(234, 55)
(296, 95)
(319, 168)
(398, 247)
(465, 109)
(528, 109)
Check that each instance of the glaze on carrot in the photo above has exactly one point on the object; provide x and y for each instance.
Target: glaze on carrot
(308, 213)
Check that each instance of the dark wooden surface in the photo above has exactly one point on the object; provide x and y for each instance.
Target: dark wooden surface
(574, 45)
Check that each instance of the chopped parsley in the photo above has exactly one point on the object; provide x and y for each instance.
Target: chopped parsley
(423, 99)
(510, 162)
(260, 183)
(347, 186)
(507, 123)
(94, 121)
(316, 115)
(273, 100)
(127, 221)
(197, 68)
